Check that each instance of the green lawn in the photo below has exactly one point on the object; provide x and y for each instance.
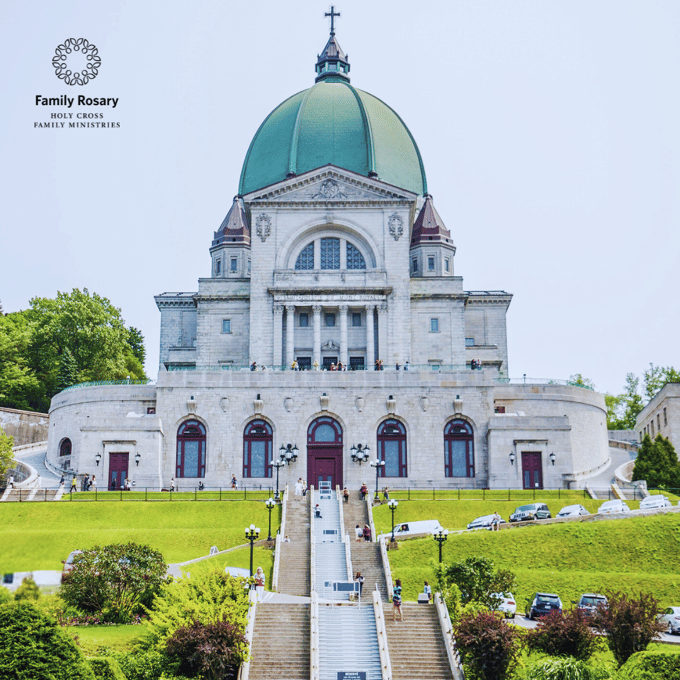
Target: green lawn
(37, 536)
(117, 638)
(568, 559)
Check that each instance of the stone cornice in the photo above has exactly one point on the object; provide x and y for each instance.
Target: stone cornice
(308, 297)
(174, 300)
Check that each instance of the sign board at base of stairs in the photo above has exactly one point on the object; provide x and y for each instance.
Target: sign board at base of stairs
(351, 675)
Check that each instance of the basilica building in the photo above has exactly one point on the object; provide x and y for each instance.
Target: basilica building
(333, 332)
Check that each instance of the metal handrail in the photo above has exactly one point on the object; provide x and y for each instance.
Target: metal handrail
(99, 383)
(385, 663)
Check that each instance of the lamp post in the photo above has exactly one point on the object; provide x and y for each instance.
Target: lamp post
(252, 534)
(277, 464)
(440, 536)
(377, 464)
(270, 503)
(392, 505)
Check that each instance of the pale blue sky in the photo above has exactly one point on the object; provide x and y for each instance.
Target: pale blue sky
(549, 132)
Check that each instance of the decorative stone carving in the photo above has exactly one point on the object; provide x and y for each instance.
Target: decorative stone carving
(458, 404)
(324, 401)
(396, 225)
(424, 402)
(329, 190)
(330, 345)
(224, 403)
(191, 405)
(288, 402)
(263, 226)
(258, 404)
(359, 402)
(391, 404)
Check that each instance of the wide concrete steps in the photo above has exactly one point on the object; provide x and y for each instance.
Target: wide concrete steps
(21, 495)
(416, 644)
(354, 512)
(294, 569)
(366, 559)
(280, 647)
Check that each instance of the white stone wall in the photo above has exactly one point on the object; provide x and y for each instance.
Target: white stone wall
(666, 424)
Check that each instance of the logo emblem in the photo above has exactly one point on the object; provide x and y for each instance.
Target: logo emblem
(264, 226)
(76, 62)
(396, 226)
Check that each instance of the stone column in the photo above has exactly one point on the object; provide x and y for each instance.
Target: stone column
(290, 335)
(382, 333)
(343, 335)
(370, 335)
(278, 334)
(316, 354)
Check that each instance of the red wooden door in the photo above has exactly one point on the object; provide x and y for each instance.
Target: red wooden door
(324, 471)
(118, 470)
(532, 470)
(324, 452)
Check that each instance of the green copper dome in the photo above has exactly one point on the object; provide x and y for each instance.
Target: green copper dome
(332, 122)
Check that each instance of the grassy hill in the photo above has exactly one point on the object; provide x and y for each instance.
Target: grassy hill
(639, 553)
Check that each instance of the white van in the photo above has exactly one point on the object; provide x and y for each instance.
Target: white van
(426, 526)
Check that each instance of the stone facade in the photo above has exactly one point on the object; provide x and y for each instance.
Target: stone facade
(662, 415)
(27, 427)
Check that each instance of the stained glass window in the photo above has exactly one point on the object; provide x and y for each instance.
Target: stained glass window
(191, 449)
(459, 458)
(330, 253)
(257, 449)
(355, 260)
(392, 448)
(306, 257)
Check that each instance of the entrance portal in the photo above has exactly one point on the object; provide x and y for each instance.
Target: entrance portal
(532, 470)
(118, 470)
(324, 452)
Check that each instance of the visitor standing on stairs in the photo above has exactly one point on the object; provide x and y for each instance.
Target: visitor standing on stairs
(396, 600)
(359, 532)
(298, 489)
(259, 583)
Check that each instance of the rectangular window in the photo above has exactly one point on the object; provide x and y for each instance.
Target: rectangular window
(658, 422)
(652, 428)
(447, 264)
(356, 319)
(469, 342)
(226, 325)
(414, 264)
(665, 420)
(218, 266)
(329, 319)
(430, 263)
(303, 320)
(150, 411)
(434, 325)
(234, 264)
(248, 266)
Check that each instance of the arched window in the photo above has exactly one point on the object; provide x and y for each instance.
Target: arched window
(392, 448)
(65, 447)
(324, 431)
(257, 449)
(330, 253)
(355, 260)
(190, 449)
(459, 452)
(305, 259)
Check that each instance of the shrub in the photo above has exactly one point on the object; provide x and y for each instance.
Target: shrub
(651, 666)
(141, 665)
(5, 595)
(106, 668)
(629, 623)
(35, 648)
(487, 645)
(476, 579)
(564, 635)
(207, 597)
(28, 591)
(114, 580)
(212, 651)
(567, 668)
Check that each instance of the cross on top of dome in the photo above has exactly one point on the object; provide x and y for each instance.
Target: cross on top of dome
(332, 14)
(332, 64)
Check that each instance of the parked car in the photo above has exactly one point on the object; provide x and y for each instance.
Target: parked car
(68, 564)
(572, 511)
(590, 602)
(611, 507)
(541, 604)
(671, 619)
(505, 602)
(483, 522)
(529, 512)
(655, 501)
(425, 526)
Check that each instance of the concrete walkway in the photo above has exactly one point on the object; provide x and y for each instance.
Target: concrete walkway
(606, 477)
(36, 459)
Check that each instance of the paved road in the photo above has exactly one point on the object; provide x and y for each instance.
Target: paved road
(36, 459)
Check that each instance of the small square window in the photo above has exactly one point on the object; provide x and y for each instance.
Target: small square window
(303, 320)
(414, 264)
(469, 342)
(234, 264)
(218, 266)
(447, 264)
(150, 411)
(226, 325)
(430, 263)
(434, 325)
(330, 319)
(356, 318)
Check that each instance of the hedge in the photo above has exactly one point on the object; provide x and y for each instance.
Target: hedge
(106, 668)
(651, 665)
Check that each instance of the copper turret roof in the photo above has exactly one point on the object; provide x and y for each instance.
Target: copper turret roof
(428, 226)
(235, 228)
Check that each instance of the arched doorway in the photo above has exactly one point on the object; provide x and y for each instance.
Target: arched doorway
(324, 452)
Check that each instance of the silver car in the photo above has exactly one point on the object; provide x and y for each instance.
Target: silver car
(653, 502)
(484, 522)
(572, 511)
(671, 619)
(613, 507)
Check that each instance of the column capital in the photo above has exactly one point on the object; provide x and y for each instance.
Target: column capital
(370, 307)
(317, 309)
(278, 309)
(382, 309)
(290, 307)
(344, 308)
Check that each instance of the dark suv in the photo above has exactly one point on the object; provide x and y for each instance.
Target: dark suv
(526, 513)
(590, 603)
(541, 604)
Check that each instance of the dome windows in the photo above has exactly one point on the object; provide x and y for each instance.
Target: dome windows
(330, 253)
(305, 259)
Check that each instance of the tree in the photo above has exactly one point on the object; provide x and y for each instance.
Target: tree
(28, 591)
(6, 454)
(487, 645)
(629, 623)
(19, 386)
(35, 648)
(567, 634)
(116, 580)
(68, 370)
(135, 341)
(656, 377)
(580, 381)
(477, 581)
(657, 464)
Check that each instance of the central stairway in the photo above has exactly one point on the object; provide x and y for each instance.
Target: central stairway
(294, 570)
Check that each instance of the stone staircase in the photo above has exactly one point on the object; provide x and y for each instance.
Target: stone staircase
(21, 495)
(365, 556)
(280, 647)
(416, 644)
(294, 569)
